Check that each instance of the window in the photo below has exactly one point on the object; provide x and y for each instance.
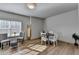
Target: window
(10, 27)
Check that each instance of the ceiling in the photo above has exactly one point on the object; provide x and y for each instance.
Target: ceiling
(43, 10)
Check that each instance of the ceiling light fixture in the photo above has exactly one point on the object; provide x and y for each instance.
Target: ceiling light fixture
(31, 6)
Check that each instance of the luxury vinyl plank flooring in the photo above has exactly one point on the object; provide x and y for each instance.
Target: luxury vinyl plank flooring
(34, 47)
(62, 49)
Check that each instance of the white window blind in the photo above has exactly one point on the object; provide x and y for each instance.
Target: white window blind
(10, 27)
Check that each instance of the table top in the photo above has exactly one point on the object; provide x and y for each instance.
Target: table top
(14, 35)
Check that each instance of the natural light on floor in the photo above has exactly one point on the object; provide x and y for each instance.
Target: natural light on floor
(34, 50)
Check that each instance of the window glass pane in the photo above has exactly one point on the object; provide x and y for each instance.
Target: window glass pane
(4, 24)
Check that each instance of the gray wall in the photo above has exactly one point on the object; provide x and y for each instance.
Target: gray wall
(36, 22)
(37, 27)
(78, 12)
(64, 24)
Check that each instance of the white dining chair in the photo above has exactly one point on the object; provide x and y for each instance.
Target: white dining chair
(43, 38)
(53, 39)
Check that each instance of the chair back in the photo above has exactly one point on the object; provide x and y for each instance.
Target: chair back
(22, 34)
(51, 32)
(12, 40)
(3, 36)
(51, 37)
(43, 34)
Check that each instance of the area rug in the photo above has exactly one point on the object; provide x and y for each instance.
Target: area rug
(31, 50)
(38, 47)
(33, 53)
(22, 52)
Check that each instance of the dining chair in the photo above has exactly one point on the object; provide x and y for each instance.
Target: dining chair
(43, 38)
(13, 42)
(4, 39)
(21, 37)
(53, 39)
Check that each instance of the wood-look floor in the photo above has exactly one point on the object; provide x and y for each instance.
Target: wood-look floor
(34, 47)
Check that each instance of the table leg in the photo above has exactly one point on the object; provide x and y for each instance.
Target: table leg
(48, 42)
(9, 43)
(41, 42)
(0, 45)
(22, 41)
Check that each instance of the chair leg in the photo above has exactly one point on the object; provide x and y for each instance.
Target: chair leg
(51, 42)
(56, 43)
(48, 42)
(41, 42)
(45, 42)
(22, 41)
(2, 45)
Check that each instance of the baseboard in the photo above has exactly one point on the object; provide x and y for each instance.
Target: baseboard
(65, 42)
(35, 38)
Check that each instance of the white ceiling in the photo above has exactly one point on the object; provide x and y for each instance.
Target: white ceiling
(43, 10)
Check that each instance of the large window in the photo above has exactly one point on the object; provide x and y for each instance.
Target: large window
(10, 27)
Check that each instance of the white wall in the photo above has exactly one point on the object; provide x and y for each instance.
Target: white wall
(64, 24)
(36, 22)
